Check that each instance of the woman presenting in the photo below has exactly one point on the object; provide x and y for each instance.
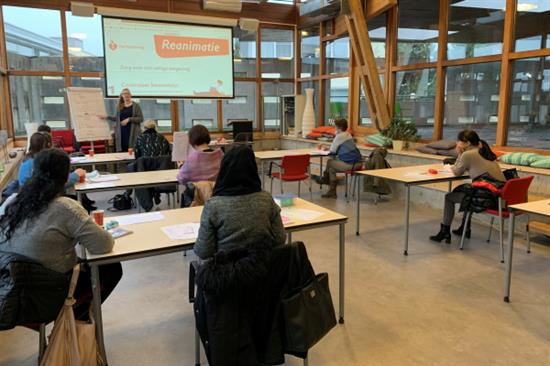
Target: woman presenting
(128, 119)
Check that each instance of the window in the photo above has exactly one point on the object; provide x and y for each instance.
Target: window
(33, 38)
(198, 111)
(244, 52)
(237, 100)
(271, 93)
(164, 125)
(377, 34)
(475, 28)
(85, 41)
(364, 114)
(418, 31)
(471, 100)
(310, 49)
(532, 19)
(337, 56)
(336, 99)
(158, 112)
(53, 100)
(277, 53)
(529, 122)
(241, 111)
(27, 101)
(315, 86)
(415, 98)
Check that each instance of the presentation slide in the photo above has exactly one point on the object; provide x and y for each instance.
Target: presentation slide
(158, 59)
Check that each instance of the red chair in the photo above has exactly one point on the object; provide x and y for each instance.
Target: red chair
(514, 191)
(63, 139)
(100, 146)
(293, 168)
(353, 181)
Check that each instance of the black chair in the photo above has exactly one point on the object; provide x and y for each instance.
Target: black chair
(145, 196)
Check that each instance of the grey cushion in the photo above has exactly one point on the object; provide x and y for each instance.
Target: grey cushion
(426, 150)
(442, 144)
(449, 152)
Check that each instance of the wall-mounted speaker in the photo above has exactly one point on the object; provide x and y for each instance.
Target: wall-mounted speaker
(81, 9)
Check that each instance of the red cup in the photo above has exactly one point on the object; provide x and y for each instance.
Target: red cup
(97, 216)
(432, 171)
(82, 179)
(91, 152)
(130, 151)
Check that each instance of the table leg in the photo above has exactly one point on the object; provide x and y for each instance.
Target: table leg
(96, 307)
(321, 169)
(450, 186)
(508, 274)
(289, 237)
(407, 210)
(342, 266)
(357, 206)
(79, 197)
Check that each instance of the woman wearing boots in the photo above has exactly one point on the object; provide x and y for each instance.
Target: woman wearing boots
(475, 157)
(346, 155)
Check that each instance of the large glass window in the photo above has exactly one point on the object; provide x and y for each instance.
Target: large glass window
(364, 114)
(415, 99)
(311, 51)
(244, 52)
(377, 34)
(336, 99)
(85, 42)
(33, 38)
(271, 93)
(529, 122)
(337, 56)
(315, 86)
(202, 111)
(38, 99)
(418, 31)
(475, 28)
(277, 50)
(243, 106)
(532, 20)
(471, 100)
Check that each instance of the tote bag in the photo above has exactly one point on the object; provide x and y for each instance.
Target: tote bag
(72, 342)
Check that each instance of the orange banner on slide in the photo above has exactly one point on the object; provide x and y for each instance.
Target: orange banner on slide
(176, 46)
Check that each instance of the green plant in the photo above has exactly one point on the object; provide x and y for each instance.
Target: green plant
(399, 129)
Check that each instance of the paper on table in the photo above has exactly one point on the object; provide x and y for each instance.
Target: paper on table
(104, 178)
(97, 185)
(182, 231)
(140, 218)
(446, 169)
(321, 152)
(125, 157)
(76, 159)
(286, 220)
(300, 213)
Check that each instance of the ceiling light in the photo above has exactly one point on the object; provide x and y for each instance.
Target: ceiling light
(81, 36)
(527, 7)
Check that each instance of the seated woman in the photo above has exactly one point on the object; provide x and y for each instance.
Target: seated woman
(346, 155)
(203, 163)
(475, 157)
(45, 226)
(239, 214)
(150, 142)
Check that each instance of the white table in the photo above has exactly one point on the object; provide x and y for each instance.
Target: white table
(148, 239)
(409, 176)
(541, 208)
(275, 155)
(149, 179)
(108, 158)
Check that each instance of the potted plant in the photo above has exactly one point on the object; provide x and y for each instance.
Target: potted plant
(400, 132)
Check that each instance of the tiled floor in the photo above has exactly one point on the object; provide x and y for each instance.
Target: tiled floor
(438, 306)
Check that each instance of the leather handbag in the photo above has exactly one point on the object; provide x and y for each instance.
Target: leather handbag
(308, 315)
(121, 202)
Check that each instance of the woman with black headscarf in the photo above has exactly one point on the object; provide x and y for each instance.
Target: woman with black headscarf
(239, 214)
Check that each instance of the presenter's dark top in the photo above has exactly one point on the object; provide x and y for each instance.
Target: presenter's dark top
(125, 112)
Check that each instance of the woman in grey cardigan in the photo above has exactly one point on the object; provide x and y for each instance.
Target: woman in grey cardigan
(128, 120)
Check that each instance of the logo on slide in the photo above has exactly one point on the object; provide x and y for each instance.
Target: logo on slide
(176, 46)
(113, 46)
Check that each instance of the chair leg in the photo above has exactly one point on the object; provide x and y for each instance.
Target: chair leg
(280, 180)
(468, 215)
(299, 187)
(490, 229)
(501, 230)
(353, 185)
(41, 341)
(271, 186)
(310, 190)
(346, 184)
(528, 235)
(197, 348)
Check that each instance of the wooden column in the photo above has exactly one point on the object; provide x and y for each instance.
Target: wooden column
(439, 107)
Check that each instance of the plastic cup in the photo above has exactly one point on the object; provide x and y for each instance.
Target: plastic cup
(130, 151)
(82, 179)
(97, 216)
(91, 152)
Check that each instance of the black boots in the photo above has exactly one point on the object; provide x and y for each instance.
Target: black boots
(324, 179)
(444, 233)
(459, 230)
(331, 192)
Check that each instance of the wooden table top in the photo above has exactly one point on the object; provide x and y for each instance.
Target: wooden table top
(414, 174)
(132, 179)
(541, 207)
(104, 159)
(279, 154)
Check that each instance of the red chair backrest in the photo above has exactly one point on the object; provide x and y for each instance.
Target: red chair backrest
(515, 190)
(295, 164)
(65, 136)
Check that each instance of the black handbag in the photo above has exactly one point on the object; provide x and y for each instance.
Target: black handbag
(121, 202)
(308, 315)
